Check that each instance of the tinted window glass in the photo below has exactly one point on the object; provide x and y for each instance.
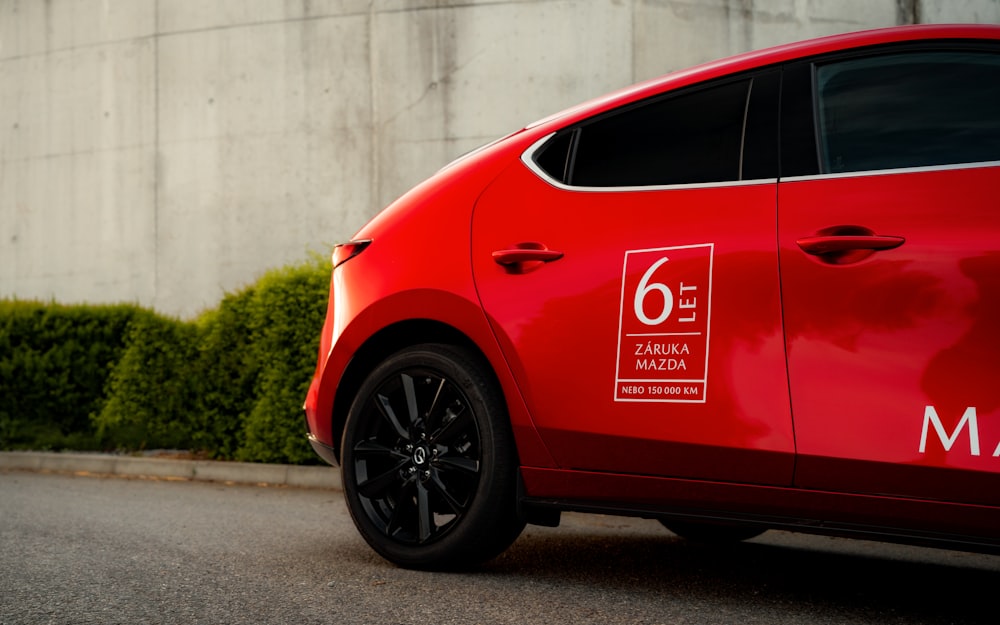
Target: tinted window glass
(691, 138)
(909, 110)
(553, 157)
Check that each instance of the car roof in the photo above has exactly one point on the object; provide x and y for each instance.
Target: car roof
(771, 56)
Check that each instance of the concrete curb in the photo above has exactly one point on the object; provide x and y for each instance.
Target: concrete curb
(323, 477)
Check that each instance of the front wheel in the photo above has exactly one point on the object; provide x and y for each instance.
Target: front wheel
(429, 464)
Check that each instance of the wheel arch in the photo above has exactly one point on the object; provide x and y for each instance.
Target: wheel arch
(380, 346)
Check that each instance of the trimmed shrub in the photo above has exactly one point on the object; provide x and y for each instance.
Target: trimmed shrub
(151, 392)
(54, 363)
(286, 312)
(226, 376)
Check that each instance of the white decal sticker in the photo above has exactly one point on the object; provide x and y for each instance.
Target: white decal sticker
(663, 324)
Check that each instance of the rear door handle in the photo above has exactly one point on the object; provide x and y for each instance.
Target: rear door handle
(831, 244)
(525, 252)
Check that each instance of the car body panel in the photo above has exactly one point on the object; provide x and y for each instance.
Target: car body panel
(882, 348)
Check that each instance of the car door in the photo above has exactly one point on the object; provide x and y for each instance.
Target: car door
(890, 272)
(629, 269)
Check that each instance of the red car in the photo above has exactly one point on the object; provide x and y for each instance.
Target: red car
(760, 293)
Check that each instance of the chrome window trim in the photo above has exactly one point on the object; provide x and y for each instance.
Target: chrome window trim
(899, 170)
(529, 162)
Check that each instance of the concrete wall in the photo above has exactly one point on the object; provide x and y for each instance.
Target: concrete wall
(166, 151)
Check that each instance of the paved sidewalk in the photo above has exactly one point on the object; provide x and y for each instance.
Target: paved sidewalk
(170, 468)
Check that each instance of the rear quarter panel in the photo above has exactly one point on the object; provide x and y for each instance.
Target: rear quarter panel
(417, 267)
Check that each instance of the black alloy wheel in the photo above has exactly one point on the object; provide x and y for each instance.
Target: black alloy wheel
(429, 467)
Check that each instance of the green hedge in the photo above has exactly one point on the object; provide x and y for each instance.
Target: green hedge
(54, 363)
(229, 384)
(151, 392)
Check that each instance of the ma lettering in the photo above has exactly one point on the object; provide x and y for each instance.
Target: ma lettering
(968, 422)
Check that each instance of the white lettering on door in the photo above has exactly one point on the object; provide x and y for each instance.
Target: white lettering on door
(931, 418)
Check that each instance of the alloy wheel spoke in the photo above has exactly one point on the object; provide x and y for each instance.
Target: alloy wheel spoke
(371, 448)
(402, 511)
(411, 400)
(446, 495)
(455, 416)
(465, 465)
(385, 409)
(430, 422)
(377, 486)
(425, 517)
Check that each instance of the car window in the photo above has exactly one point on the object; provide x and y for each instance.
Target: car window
(695, 137)
(908, 110)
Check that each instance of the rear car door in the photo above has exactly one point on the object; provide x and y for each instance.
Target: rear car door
(629, 269)
(889, 234)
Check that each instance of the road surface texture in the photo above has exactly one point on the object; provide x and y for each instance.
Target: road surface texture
(114, 550)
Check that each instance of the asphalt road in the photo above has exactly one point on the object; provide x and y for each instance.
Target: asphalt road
(114, 550)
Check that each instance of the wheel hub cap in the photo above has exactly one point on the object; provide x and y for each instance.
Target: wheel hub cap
(420, 456)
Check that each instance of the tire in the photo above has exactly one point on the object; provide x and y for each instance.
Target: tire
(712, 533)
(429, 463)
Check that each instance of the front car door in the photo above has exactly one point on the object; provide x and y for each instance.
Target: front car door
(890, 271)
